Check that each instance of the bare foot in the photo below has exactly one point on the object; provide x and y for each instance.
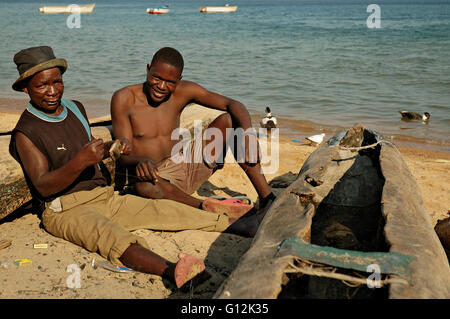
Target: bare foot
(246, 226)
(264, 206)
(188, 268)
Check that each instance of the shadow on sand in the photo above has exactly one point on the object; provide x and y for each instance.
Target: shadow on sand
(220, 260)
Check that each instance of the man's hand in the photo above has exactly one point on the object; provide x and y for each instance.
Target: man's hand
(126, 146)
(146, 171)
(91, 153)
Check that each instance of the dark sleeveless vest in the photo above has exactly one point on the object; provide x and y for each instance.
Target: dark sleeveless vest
(59, 139)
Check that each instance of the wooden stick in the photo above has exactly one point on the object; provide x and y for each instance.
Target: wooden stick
(5, 243)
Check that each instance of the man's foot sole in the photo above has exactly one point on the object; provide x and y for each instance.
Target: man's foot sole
(188, 268)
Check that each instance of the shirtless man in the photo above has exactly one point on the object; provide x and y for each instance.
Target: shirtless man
(148, 113)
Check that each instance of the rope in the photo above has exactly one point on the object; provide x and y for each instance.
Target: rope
(330, 272)
(365, 147)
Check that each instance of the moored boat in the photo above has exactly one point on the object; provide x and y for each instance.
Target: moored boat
(217, 9)
(159, 10)
(354, 212)
(82, 8)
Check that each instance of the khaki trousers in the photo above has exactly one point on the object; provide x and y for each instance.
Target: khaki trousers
(100, 220)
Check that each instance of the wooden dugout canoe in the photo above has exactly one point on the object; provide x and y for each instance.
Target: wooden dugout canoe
(218, 9)
(82, 8)
(349, 207)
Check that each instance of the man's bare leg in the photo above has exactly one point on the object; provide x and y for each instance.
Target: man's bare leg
(164, 189)
(253, 171)
(257, 179)
(143, 260)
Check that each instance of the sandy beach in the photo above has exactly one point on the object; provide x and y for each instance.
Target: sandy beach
(47, 275)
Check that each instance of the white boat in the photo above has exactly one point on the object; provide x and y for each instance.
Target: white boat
(82, 8)
(225, 8)
(160, 10)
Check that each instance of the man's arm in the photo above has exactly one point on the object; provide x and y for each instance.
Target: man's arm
(236, 109)
(125, 144)
(36, 165)
(122, 129)
(120, 117)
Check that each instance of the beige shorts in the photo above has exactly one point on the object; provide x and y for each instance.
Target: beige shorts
(188, 173)
(186, 176)
(101, 220)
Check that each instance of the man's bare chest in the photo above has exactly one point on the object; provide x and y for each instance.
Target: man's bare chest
(150, 122)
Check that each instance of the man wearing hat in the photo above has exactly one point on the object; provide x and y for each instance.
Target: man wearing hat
(52, 142)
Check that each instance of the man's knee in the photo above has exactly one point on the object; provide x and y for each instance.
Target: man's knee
(149, 190)
(163, 189)
(223, 121)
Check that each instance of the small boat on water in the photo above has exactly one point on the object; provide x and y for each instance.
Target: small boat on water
(354, 213)
(225, 8)
(159, 10)
(82, 8)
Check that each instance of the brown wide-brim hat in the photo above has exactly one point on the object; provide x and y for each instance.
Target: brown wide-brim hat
(33, 60)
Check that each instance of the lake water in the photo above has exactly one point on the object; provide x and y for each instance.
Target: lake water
(314, 62)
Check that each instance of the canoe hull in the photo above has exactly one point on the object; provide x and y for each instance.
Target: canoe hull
(363, 191)
(87, 8)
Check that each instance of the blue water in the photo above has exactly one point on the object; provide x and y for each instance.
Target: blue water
(310, 61)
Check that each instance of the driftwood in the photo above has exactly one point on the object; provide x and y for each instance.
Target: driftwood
(5, 243)
(349, 196)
